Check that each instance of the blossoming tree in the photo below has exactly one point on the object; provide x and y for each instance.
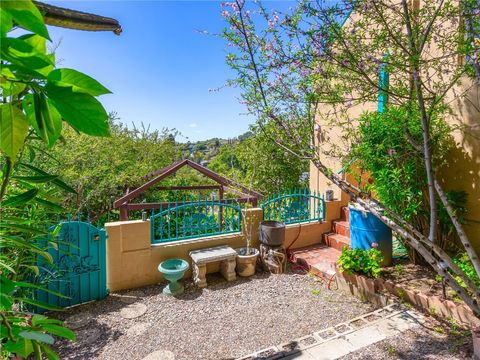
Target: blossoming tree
(320, 61)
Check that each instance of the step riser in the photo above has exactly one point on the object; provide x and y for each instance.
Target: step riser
(341, 229)
(330, 240)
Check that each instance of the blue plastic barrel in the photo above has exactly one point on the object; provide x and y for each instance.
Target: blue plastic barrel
(365, 229)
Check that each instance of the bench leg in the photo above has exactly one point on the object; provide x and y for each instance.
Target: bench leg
(199, 275)
(227, 268)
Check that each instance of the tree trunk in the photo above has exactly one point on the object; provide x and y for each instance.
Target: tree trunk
(461, 233)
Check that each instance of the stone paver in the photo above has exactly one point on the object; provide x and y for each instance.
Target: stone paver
(79, 320)
(356, 334)
(138, 329)
(133, 311)
(160, 355)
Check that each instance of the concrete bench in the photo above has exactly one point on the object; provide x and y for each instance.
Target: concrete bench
(200, 258)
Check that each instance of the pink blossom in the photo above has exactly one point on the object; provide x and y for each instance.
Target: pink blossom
(374, 245)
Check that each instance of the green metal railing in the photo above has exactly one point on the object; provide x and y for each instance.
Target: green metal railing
(194, 219)
(295, 206)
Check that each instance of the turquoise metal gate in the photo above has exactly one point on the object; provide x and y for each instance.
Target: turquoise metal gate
(79, 269)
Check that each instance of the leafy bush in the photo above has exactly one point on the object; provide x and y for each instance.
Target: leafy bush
(464, 263)
(366, 262)
(385, 151)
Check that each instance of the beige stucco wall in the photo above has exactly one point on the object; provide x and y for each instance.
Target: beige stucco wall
(463, 169)
(132, 260)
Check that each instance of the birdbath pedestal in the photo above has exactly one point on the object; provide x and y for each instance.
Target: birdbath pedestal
(173, 270)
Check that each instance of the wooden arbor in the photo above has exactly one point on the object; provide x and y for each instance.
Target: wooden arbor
(245, 195)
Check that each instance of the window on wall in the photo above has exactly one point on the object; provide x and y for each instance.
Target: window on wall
(383, 82)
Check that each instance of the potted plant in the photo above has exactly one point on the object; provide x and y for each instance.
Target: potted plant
(247, 255)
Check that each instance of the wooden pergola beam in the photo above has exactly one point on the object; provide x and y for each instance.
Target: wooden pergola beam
(159, 175)
(168, 171)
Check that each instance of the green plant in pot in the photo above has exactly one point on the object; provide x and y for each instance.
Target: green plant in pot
(247, 256)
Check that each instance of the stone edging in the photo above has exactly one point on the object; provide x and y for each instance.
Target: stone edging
(375, 290)
(295, 347)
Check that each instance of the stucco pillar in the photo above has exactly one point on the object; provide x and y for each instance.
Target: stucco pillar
(251, 225)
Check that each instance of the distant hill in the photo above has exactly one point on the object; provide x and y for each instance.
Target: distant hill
(204, 151)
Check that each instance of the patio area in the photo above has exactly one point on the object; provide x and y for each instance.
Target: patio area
(226, 320)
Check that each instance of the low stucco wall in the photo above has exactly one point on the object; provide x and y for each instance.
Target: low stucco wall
(132, 260)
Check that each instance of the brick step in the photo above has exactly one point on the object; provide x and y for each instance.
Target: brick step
(319, 259)
(336, 241)
(345, 213)
(341, 227)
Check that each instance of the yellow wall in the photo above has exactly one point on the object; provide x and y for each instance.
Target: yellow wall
(463, 169)
(132, 260)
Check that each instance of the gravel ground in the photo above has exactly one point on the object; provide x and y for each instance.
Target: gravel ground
(222, 321)
(433, 341)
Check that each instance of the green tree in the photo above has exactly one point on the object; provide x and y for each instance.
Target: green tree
(100, 169)
(269, 168)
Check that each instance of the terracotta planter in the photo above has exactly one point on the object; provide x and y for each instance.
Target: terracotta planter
(246, 261)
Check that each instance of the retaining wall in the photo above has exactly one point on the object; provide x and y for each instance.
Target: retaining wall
(132, 259)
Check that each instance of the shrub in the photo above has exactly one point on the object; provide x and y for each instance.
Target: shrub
(365, 262)
(466, 266)
(385, 152)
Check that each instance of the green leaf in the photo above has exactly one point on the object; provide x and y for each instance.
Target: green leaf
(12, 88)
(6, 302)
(7, 285)
(23, 198)
(40, 304)
(49, 204)
(13, 129)
(82, 111)
(39, 43)
(57, 182)
(32, 268)
(6, 22)
(51, 355)
(27, 16)
(36, 178)
(41, 319)
(60, 331)
(23, 228)
(20, 53)
(78, 81)
(37, 336)
(43, 117)
(22, 347)
(42, 288)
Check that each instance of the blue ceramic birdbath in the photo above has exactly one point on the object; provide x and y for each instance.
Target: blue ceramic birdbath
(173, 270)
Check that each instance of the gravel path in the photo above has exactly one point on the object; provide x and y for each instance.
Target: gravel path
(433, 341)
(223, 321)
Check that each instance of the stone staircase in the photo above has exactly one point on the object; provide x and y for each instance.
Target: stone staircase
(321, 258)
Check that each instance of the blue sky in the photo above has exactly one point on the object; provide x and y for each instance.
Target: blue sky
(160, 69)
